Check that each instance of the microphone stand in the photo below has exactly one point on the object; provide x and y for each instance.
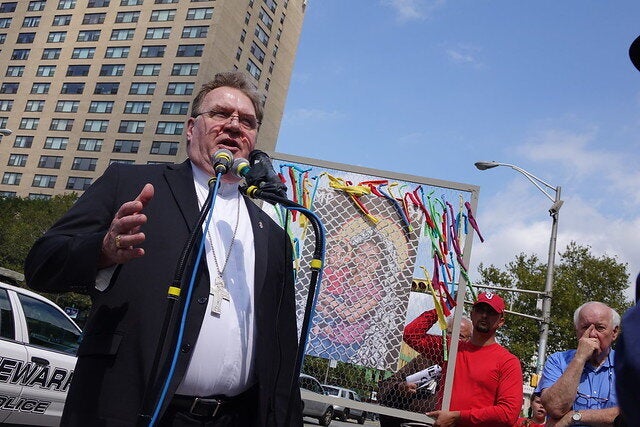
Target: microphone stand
(316, 269)
(170, 329)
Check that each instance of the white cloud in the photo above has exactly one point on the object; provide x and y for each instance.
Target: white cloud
(465, 55)
(413, 10)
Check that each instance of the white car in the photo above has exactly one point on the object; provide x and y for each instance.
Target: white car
(345, 413)
(38, 344)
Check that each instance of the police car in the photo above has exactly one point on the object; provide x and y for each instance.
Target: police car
(38, 343)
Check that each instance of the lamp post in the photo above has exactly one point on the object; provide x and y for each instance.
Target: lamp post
(5, 132)
(548, 287)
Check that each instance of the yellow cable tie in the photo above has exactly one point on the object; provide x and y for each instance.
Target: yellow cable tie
(316, 264)
(174, 291)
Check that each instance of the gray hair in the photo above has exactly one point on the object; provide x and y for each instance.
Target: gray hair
(615, 317)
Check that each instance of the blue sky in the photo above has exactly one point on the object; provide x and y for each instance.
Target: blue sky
(428, 88)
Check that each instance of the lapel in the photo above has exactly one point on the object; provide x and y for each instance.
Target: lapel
(179, 179)
(261, 231)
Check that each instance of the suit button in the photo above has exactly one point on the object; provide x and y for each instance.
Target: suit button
(186, 348)
(203, 300)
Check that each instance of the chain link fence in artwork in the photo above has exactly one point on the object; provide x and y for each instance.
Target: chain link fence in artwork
(376, 338)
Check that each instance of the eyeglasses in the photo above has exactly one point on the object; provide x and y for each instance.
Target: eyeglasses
(590, 401)
(246, 121)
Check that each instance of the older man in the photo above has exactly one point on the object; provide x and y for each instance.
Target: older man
(578, 386)
(120, 244)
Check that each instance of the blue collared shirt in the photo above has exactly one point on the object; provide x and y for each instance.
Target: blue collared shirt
(597, 386)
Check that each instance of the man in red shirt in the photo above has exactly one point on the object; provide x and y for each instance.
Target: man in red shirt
(487, 383)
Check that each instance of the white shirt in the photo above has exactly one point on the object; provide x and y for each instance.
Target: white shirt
(222, 360)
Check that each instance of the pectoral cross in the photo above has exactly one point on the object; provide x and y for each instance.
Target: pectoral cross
(219, 293)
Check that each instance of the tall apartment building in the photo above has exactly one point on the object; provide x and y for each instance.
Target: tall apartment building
(89, 82)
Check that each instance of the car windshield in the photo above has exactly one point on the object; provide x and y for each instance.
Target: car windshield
(332, 391)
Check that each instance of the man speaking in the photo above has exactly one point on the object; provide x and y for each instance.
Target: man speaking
(120, 244)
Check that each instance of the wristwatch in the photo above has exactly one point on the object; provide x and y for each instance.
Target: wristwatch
(576, 417)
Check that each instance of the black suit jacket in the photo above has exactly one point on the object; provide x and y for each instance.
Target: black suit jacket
(123, 329)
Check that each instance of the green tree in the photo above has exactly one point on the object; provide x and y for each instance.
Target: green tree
(579, 277)
(22, 222)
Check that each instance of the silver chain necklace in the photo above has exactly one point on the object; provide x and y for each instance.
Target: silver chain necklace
(218, 288)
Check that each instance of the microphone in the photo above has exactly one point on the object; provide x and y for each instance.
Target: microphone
(222, 160)
(240, 167)
(262, 177)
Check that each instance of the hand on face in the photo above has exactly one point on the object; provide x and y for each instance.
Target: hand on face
(119, 244)
(206, 134)
(588, 344)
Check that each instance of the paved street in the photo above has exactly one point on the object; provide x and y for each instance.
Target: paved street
(308, 422)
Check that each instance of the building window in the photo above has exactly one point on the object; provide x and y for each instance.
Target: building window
(185, 69)
(66, 4)
(9, 87)
(165, 1)
(275, 51)
(3, 122)
(112, 70)
(164, 148)
(124, 34)
(265, 18)
(6, 104)
(243, 35)
(106, 88)
(158, 33)
(131, 126)
(75, 88)
(238, 53)
(117, 52)
(3, 38)
(271, 4)
(50, 162)
(90, 144)
(247, 18)
(44, 181)
(261, 35)
(95, 125)
(123, 161)
(57, 37)
(98, 3)
(278, 33)
(46, 70)
(163, 15)
(67, 106)
(130, 2)
(37, 5)
(26, 38)
(5, 22)
(152, 51)
(78, 183)
(137, 107)
(257, 52)
(88, 36)
(253, 69)
(178, 108)
(39, 196)
(126, 146)
(8, 194)
(198, 32)
(30, 123)
(22, 141)
(127, 17)
(199, 13)
(61, 124)
(77, 70)
(61, 20)
(147, 70)
(84, 164)
(190, 50)
(101, 107)
(20, 54)
(11, 178)
(169, 128)
(180, 88)
(17, 160)
(93, 18)
(83, 53)
(31, 21)
(51, 53)
(142, 88)
(56, 143)
(35, 106)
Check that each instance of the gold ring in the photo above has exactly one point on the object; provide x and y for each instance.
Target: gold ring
(118, 237)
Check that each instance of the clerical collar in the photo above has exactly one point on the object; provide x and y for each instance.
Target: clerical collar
(226, 190)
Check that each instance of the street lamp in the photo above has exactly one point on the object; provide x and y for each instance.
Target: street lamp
(548, 287)
(5, 132)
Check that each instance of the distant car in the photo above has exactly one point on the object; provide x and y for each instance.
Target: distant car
(38, 344)
(345, 412)
(309, 387)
